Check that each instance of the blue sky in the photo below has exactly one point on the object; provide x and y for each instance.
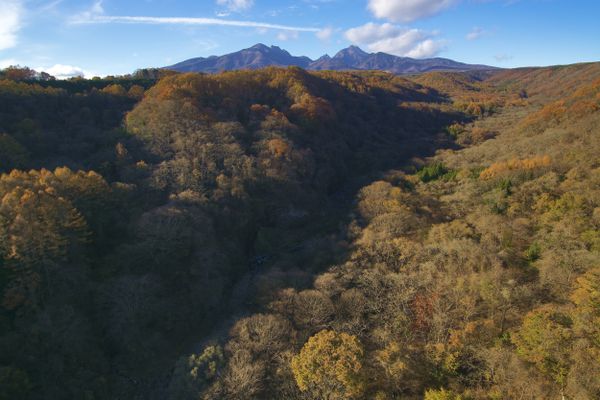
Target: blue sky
(92, 37)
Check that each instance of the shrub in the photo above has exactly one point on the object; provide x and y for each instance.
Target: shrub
(441, 394)
(434, 172)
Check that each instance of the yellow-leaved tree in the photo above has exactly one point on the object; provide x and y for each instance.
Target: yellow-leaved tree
(546, 340)
(329, 366)
(39, 229)
(586, 325)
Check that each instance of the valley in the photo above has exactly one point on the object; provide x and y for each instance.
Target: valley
(278, 233)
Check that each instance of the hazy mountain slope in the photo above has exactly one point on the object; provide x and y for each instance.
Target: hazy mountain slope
(353, 58)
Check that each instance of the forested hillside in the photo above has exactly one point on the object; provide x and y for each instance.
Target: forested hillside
(284, 234)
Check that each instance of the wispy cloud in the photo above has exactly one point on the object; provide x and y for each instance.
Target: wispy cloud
(10, 22)
(236, 5)
(476, 33)
(325, 33)
(288, 35)
(50, 6)
(94, 11)
(503, 57)
(96, 16)
(106, 19)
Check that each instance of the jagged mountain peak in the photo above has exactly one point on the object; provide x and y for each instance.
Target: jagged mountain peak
(264, 48)
(352, 50)
(351, 58)
(259, 46)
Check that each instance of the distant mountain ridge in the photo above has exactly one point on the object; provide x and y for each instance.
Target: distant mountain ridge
(351, 58)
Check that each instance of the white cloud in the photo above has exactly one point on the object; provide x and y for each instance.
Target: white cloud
(407, 10)
(371, 32)
(236, 5)
(476, 33)
(394, 39)
(325, 33)
(60, 71)
(10, 22)
(427, 48)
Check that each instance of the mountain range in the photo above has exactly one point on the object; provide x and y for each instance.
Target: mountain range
(351, 58)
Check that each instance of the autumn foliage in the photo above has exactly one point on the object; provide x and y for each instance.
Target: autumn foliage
(284, 234)
(329, 365)
(512, 166)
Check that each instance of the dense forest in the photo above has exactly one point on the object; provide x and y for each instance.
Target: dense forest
(284, 234)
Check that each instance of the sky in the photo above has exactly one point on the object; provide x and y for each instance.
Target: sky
(114, 37)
